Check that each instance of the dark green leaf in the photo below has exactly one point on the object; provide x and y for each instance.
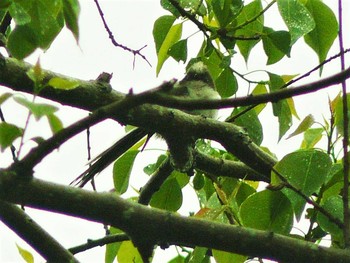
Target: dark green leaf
(268, 210)
(71, 10)
(307, 171)
(8, 133)
(281, 108)
(168, 197)
(122, 169)
(253, 29)
(226, 83)
(151, 168)
(321, 38)
(334, 205)
(22, 42)
(276, 44)
(179, 51)
(251, 123)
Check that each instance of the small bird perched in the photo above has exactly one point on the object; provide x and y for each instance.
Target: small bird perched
(197, 84)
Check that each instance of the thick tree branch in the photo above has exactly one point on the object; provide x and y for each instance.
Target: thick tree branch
(24, 226)
(155, 226)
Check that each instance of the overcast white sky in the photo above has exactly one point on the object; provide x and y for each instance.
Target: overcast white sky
(132, 23)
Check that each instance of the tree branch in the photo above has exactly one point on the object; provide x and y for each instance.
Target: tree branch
(24, 226)
(156, 226)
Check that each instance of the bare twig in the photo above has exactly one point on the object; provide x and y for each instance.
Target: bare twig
(346, 229)
(135, 52)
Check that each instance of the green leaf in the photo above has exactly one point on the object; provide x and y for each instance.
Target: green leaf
(179, 51)
(297, 18)
(151, 168)
(307, 171)
(4, 97)
(22, 42)
(252, 29)
(26, 255)
(276, 44)
(226, 83)
(281, 108)
(165, 35)
(128, 253)
(306, 123)
(250, 122)
(65, 84)
(267, 210)
(226, 257)
(311, 137)
(168, 197)
(339, 115)
(334, 205)
(321, 38)
(226, 10)
(259, 89)
(122, 169)
(8, 133)
(39, 110)
(55, 123)
(112, 248)
(71, 11)
(37, 25)
(198, 181)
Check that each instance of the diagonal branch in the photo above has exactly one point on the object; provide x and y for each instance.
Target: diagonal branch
(24, 226)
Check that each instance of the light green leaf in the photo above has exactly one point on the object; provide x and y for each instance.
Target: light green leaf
(226, 83)
(306, 123)
(311, 137)
(8, 133)
(26, 255)
(259, 89)
(226, 257)
(4, 97)
(37, 109)
(55, 123)
(337, 105)
(112, 248)
(297, 18)
(168, 197)
(306, 170)
(65, 84)
(267, 210)
(252, 29)
(122, 170)
(128, 253)
(321, 38)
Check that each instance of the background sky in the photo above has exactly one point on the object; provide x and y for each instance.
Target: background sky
(132, 22)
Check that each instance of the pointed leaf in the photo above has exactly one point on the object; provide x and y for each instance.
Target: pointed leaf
(267, 210)
(8, 133)
(122, 170)
(65, 84)
(226, 83)
(306, 123)
(168, 197)
(297, 18)
(37, 109)
(306, 170)
(321, 38)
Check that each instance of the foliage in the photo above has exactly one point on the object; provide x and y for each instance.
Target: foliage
(229, 27)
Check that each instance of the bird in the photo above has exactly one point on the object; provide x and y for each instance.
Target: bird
(197, 84)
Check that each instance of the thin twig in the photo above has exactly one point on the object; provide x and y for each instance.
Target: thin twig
(346, 229)
(135, 52)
